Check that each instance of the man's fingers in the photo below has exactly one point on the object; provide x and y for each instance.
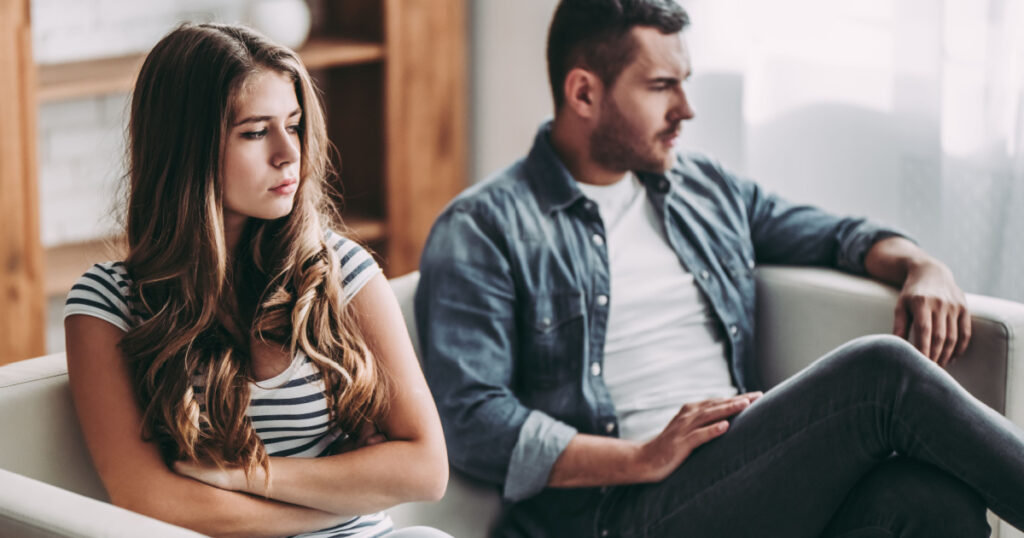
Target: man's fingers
(899, 324)
(952, 338)
(922, 333)
(939, 320)
(707, 433)
(964, 327)
(721, 411)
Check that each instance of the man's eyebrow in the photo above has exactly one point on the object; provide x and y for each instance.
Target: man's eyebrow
(257, 119)
(663, 80)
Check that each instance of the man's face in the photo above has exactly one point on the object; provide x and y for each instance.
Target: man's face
(641, 114)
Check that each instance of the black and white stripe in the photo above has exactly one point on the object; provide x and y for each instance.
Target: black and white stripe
(288, 411)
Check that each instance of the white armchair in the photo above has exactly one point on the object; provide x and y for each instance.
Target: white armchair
(49, 488)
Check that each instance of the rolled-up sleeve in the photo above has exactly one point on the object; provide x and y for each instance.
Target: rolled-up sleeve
(541, 440)
(787, 233)
(466, 316)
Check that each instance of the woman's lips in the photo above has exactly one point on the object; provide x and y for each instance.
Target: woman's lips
(287, 186)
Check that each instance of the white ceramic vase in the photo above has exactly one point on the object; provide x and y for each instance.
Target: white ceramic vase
(285, 22)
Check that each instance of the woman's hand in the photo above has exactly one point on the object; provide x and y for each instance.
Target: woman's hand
(369, 435)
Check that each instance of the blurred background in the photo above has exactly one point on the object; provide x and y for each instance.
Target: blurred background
(910, 112)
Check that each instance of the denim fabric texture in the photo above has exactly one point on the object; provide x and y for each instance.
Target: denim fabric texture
(509, 319)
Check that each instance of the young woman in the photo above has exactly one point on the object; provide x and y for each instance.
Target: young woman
(245, 370)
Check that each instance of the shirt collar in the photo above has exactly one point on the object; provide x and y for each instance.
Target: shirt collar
(551, 182)
(549, 179)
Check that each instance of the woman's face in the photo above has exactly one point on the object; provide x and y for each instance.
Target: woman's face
(262, 151)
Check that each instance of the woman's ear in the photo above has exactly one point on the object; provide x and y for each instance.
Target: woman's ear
(582, 92)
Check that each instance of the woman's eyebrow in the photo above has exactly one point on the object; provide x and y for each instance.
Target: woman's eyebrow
(257, 119)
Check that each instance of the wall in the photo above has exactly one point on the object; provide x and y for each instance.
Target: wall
(907, 112)
(81, 141)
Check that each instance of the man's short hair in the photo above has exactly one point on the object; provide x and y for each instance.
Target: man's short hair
(594, 34)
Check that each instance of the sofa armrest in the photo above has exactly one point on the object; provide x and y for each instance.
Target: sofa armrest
(802, 313)
(30, 509)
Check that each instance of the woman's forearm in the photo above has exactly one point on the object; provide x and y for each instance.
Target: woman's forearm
(362, 481)
(217, 512)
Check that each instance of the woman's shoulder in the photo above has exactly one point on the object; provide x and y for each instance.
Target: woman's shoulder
(355, 262)
(103, 291)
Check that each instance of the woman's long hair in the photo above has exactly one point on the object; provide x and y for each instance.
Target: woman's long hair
(201, 305)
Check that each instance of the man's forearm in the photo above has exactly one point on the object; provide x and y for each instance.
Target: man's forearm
(891, 259)
(592, 460)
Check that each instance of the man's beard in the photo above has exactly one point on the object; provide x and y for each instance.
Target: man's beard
(614, 145)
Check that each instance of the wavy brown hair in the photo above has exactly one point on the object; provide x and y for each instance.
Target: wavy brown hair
(203, 306)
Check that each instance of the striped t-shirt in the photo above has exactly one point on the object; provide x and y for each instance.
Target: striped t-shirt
(288, 411)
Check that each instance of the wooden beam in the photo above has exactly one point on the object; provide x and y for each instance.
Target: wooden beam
(426, 119)
(22, 308)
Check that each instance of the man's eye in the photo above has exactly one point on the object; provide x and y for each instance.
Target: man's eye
(254, 135)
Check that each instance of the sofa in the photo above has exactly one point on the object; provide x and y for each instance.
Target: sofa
(48, 486)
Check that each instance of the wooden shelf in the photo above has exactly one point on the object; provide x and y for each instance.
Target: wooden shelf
(65, 263)
(110, 75)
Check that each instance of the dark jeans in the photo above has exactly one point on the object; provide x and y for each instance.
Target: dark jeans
(871, 440)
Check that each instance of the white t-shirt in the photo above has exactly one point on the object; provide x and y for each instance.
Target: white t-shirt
(664, 347)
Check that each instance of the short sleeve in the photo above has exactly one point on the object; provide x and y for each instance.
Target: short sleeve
(357, 266)
(102, 292)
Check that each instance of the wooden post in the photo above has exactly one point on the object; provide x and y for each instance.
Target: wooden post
(22, 305)
(426, 112)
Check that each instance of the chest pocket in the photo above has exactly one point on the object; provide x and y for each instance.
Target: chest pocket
(554, 330)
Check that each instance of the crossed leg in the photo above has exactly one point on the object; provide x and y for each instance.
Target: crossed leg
(813, 453)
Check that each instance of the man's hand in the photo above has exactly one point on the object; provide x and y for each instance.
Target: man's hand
(596, 460)
(695, 424)
(932, 312)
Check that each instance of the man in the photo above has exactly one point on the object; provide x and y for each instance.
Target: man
(586, 319)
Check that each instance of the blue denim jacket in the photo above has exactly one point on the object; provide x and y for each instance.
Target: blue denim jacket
(508, 312)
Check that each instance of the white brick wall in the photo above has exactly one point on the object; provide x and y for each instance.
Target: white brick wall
(81, 141)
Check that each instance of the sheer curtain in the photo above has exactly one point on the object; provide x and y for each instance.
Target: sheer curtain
(907, 111)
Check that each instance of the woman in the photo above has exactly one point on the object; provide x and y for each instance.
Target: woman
(262, 356)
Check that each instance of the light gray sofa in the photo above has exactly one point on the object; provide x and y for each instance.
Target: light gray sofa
(49, 488)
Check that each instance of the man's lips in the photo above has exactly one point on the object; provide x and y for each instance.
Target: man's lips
(287, 186)
(671, 135)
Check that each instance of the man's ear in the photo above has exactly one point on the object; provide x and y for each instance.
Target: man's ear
(582, 92)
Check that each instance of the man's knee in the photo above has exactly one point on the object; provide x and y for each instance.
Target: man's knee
(882, 353)
(911, 498)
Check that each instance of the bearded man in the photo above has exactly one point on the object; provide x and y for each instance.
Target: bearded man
(587, 325)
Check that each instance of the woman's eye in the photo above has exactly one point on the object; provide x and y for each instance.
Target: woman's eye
(296, 129)
(254, 135)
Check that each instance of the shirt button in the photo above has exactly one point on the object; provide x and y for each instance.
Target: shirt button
(750, 264)
(595, 368)
(704, 275)
(663, 185)
(734, 330)
(609, 427)
(602, 300)
(598, 240)
(545, 322)
(589, 205)
(604, 533)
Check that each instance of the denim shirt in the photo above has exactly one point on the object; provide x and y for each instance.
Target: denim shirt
(508, 313)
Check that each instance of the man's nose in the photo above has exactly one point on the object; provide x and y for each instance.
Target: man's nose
(682, 109)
